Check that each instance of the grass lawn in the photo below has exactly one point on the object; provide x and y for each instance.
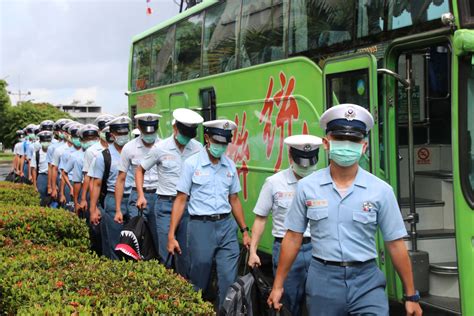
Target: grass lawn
(6, 157)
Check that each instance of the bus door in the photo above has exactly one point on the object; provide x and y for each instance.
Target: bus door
(353, 79)
(420, 154)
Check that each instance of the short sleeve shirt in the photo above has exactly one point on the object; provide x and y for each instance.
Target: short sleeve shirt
(343, 229)
(275, 198)
(58, 153)
(90, 155)
(43, 164)
(168, 161)
(208, 185)
(65, 157)
(18, 149)
(51, 149)
(98, 168)
(132, 155)
(78, 162)
(69, 165)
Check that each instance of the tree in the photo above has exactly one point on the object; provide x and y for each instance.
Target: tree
(5, 102)
(17, 117)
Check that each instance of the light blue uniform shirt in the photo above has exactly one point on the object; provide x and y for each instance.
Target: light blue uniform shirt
(51, 149)
(68, 166)
(208, 185)
(166, 161)
(98, 167)
(343, 229)
(77, 159)
(65, 157)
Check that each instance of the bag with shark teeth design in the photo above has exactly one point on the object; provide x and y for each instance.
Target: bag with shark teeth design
(136, 241)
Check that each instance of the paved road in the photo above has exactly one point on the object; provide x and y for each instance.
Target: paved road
(4, 170)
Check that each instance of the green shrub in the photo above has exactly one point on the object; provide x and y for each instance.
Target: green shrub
(41, 226)
(61, 280)
(19, 194)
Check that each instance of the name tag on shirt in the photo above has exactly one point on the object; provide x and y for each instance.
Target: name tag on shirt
(200, 173)
(316, 203)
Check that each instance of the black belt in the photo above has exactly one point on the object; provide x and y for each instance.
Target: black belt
(210, 218)
(344, 263)
(146, 190)
(167, 197)
(306, 240)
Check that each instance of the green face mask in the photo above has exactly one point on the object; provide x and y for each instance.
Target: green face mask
(149, 138)
(183, 140)
(76, 141)
(61, 136)
(303, 171)
(88, 144)
(345, 153)
(217, 150)
(45, 145)
(103, 136)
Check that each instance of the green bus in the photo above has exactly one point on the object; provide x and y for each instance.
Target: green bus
(274, 66)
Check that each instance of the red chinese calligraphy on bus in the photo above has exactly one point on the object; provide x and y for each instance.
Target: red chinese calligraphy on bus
(286, 107)
(239, 151)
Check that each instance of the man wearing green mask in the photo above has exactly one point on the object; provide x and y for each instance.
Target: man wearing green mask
(211, 182)
(168, 157)
(132, 155)
(344, 205)
(66, 189)
(39, 165)
(275, 198)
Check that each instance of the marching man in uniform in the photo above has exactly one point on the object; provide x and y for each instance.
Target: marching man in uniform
(344, 205)
(168, 157)
(132, 155)
(39, 165)
(275, 197)
(211, 181)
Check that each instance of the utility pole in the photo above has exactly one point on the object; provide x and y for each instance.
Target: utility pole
(19, 93)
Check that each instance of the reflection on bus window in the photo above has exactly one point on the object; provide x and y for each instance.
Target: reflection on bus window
(370, 17)
(188, 49)
(470, 126)
(406, 13)
(162, 57)
(316, 24)
(219, 38)
(141, 65)
(349, 87)
(261, 32)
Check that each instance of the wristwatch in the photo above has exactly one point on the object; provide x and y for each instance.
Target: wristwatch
(245, 229)
(412, 298)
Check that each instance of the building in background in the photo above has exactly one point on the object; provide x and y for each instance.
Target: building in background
(81, 112)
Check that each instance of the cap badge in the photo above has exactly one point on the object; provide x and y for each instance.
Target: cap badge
(307, 147)
(226, 125)
(149, 118)
(350, 114)
(123, 120)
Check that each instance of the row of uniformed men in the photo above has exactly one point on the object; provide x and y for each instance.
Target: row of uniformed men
(328, 234)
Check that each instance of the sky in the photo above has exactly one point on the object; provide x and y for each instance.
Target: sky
(65, 50)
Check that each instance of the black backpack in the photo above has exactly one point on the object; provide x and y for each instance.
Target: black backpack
(105, 176)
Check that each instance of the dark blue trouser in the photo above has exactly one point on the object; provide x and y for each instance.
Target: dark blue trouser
(161, 223)
(207, 241)
(42, 185)
(294, 286)
(109, 229)
(333, 290)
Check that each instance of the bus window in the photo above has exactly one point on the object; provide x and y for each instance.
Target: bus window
(370, 17)
(208, 104)
(162, 57)
(220, 38)
(404, 13)
(317, 24)
(133, 112)
(348, 87)
(188, 48)
(141, 65)
(261, 32)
